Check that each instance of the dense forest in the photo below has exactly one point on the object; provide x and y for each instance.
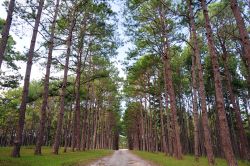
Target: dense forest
(186, 90)
(80, 109)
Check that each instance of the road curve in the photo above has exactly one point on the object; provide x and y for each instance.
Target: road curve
(121, 157)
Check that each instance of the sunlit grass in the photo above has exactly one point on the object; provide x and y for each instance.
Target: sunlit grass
(48, 159)
(162, 160)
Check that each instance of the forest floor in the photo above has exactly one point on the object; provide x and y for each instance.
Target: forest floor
(100, 158)
(162, 160)
(122, 157)
(48, 159)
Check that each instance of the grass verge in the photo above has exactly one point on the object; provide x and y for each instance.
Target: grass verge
(162, 160)
(48, 159)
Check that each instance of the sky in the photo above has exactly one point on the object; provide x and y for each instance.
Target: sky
(117, 7)
(38, 72)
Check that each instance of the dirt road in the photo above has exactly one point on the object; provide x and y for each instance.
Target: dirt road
(121, 157)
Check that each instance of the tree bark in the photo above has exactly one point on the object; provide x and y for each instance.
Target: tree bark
(243, 32)
(243, 143)
(207, 135)
(223, 124)
(40, 136)
(170, 88)
(6, 30)
(25, 92)
(78, 85)
(64, 85)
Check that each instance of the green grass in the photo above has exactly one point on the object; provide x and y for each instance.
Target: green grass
(163, 160)
(48, 159)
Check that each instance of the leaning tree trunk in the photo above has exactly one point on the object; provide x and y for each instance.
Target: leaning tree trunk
(25, 92)
(244, 36)
(64, 85)
(207, 135)
(6, 30)
(40, 136)
(243, 143)
(223, 124)
(195, 111)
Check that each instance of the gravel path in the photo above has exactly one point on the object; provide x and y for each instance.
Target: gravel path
(121, 157)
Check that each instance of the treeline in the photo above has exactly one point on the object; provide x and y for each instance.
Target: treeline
(79, 108)
(188, 89)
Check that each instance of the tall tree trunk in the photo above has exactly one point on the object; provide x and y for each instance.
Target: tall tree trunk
(25, 92)
(195, 111)
(64, 86)
(78, 85)
(243, 33)
(6, 30)
(40, 136)
(224, 130)
(207, 135)
(170, 88)
(244, 153)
